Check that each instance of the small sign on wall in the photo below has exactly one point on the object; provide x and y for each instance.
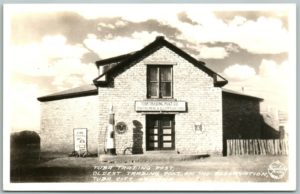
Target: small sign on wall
(121, 127)
(80, 139)
(198, 127)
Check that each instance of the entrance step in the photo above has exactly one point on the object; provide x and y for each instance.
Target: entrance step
(158, 157)
(161, 152)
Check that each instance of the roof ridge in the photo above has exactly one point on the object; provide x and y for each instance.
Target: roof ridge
(159, 42)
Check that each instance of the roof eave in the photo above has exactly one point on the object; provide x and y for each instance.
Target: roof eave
(112, 60)
(243, 96)
(126, 60)
(64, 96)
(220, 83)
(99, 83)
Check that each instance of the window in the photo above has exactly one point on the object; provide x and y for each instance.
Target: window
(159, 81)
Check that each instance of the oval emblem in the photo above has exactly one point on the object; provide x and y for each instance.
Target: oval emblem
(121, 127)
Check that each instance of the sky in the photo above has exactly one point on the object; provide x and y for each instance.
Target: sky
(53, 48)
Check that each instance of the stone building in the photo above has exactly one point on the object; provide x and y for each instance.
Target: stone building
(162, 98)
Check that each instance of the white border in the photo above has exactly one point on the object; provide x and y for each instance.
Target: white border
(151, 186)
(6, 101)
(290, 185)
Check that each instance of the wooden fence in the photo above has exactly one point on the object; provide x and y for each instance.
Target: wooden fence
(257, 147)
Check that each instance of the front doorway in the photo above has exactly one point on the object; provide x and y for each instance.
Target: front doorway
(160, 132)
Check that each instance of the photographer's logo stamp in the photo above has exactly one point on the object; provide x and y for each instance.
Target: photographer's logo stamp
(277, 170)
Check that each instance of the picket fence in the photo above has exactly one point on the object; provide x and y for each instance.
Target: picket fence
(257, 147)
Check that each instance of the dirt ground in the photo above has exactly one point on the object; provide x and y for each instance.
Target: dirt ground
(211, 169)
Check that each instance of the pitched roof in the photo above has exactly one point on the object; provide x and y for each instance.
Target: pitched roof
(114, 60)
(239, 94)
(91, 89)
(127, 59)
(85, 90)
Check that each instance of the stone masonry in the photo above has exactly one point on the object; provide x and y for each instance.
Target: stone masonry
(220, 114)
(190, 84)
(60, 117)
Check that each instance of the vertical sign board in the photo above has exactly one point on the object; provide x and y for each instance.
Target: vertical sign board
(80, 139)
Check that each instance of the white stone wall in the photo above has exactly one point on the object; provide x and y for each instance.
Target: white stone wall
(60, 117)
(190, 84)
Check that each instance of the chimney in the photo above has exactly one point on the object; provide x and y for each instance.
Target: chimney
(160, 37)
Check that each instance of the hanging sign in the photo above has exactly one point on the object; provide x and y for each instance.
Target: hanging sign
(80, 139)
(160, 105)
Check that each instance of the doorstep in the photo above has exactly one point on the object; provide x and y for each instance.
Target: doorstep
(150, 157)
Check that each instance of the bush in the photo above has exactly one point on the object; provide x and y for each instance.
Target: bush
(82, 154)
(25, 145)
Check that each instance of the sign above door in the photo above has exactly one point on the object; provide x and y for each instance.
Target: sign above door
(160, 105)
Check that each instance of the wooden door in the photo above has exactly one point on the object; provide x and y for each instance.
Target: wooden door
(160, 132)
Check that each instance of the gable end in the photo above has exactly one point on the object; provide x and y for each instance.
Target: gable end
(129, 59)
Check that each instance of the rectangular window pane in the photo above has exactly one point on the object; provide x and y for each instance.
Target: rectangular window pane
(155, 123)
(153, 74)
(165, 73)
(153, 131)
(166, 88)
(166, 122)
(153, 138)
(167, 138)
(167, 131)
(153, 89)
(167, 145)
(153, 144)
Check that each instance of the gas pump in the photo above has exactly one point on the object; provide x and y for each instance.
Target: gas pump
(110, 134)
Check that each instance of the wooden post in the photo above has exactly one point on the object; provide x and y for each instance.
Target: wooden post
(247, 150)
(242, 146)
(228, 148)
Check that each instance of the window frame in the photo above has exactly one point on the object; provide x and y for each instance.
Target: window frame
(159, 81)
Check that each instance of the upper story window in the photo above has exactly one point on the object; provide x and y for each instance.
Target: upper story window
(159, 81)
